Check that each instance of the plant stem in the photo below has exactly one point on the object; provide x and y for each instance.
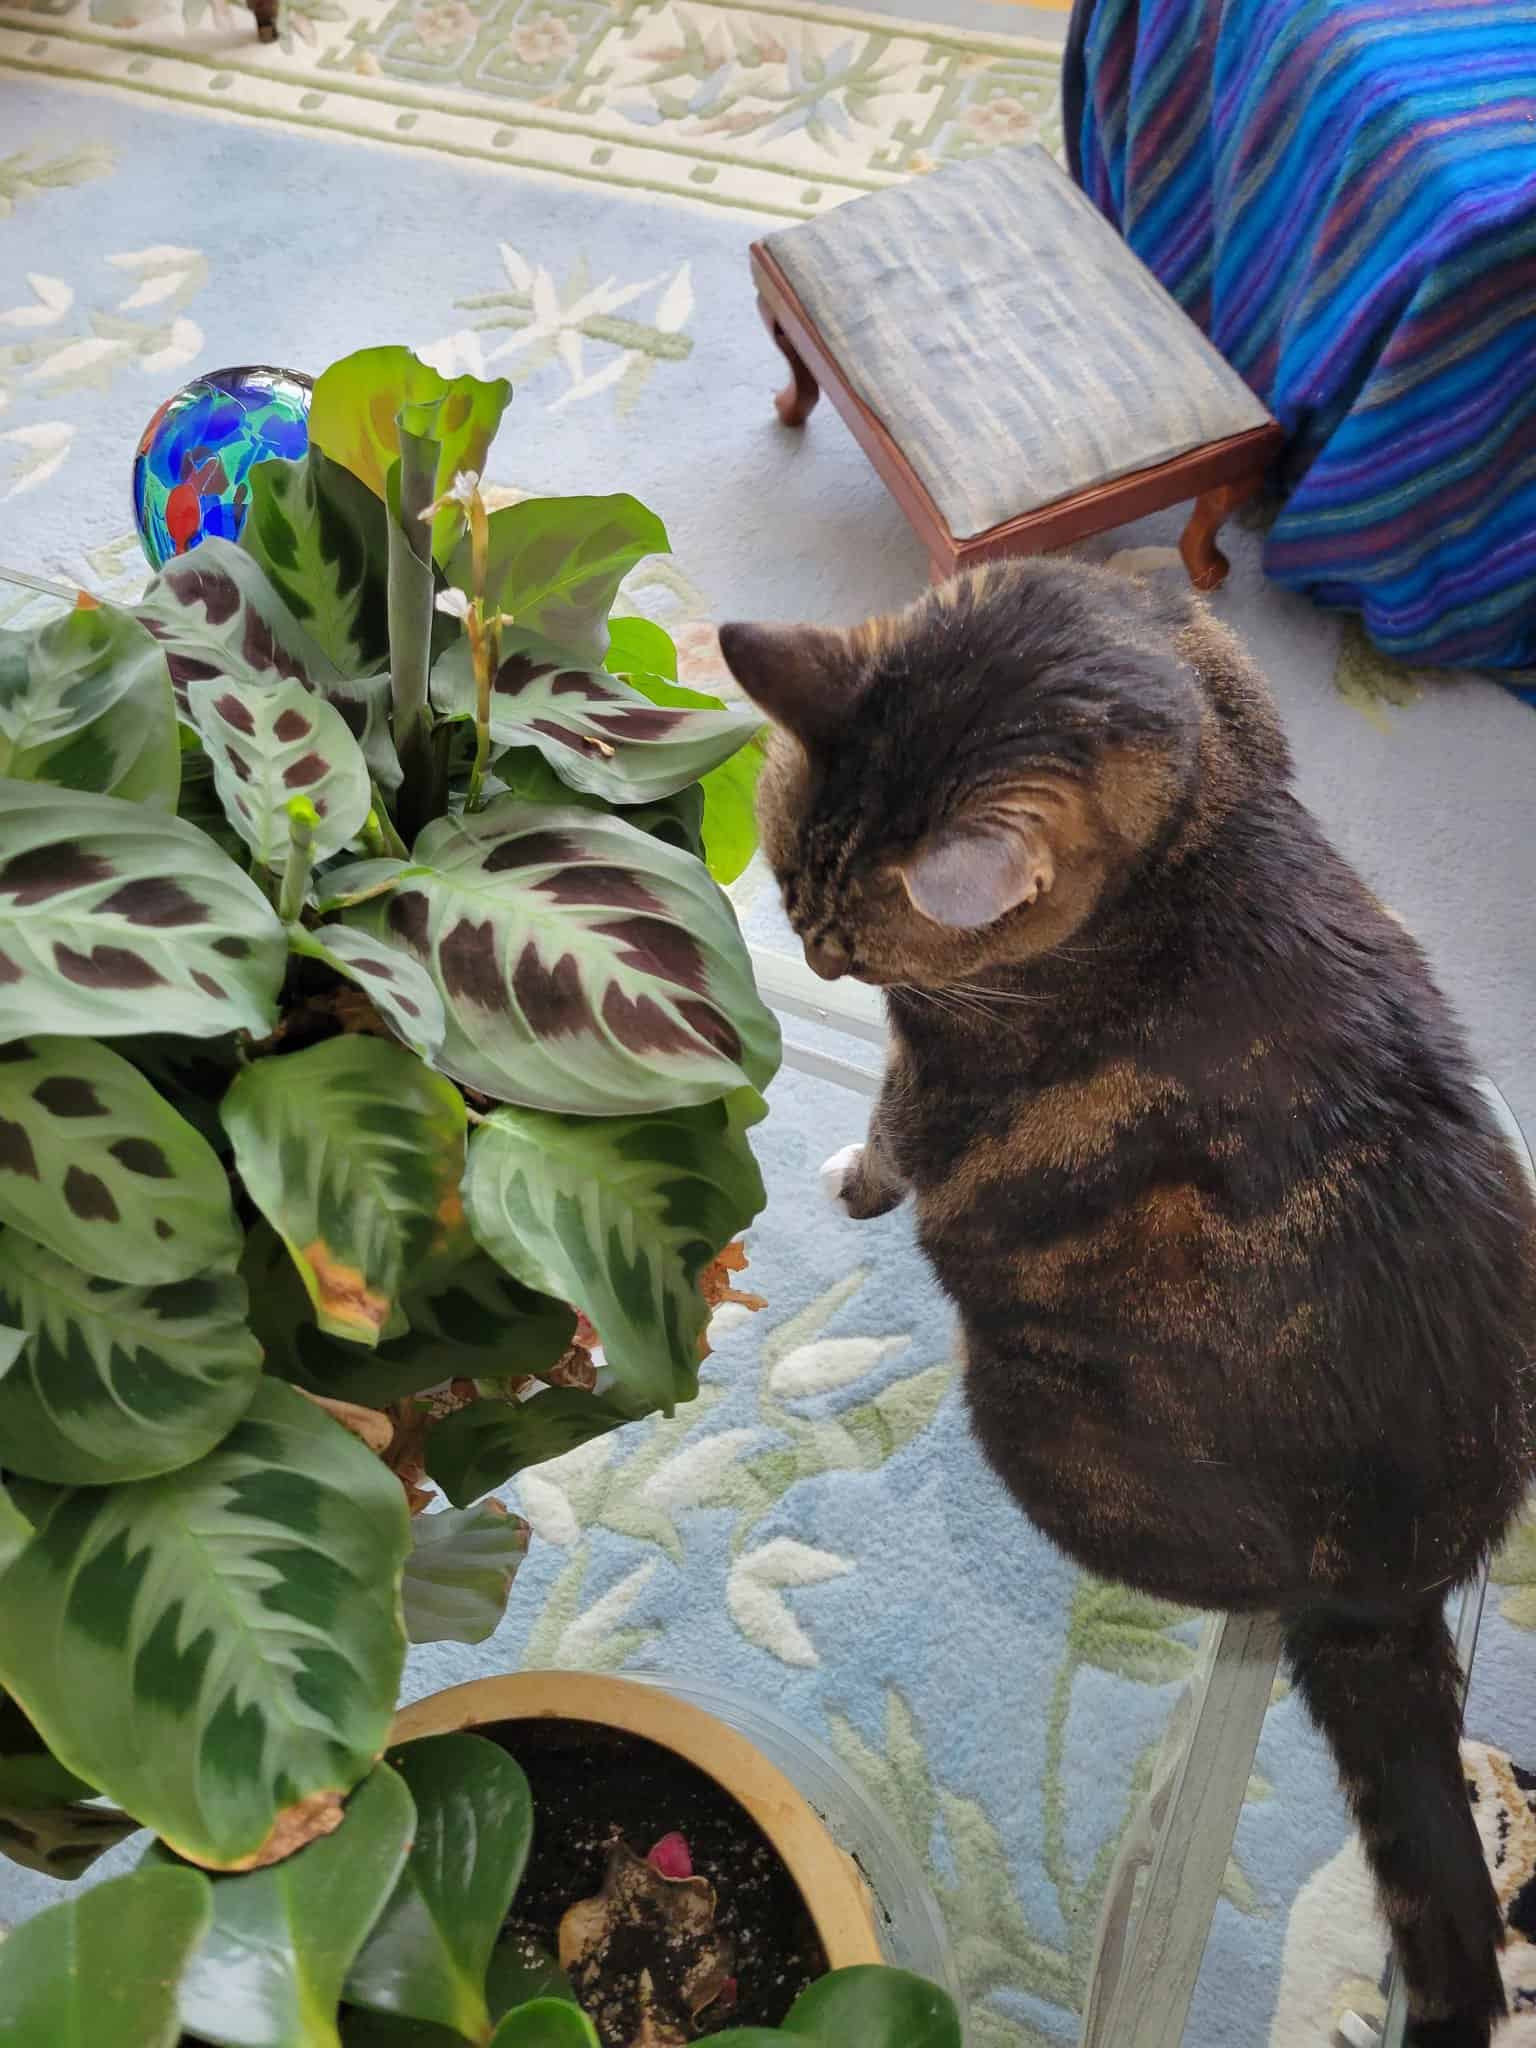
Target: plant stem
(302, 820)
(410, 613)
(379, 831)
(479, 522)
(483, 636)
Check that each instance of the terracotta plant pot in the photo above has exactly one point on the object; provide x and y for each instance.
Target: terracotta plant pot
(835, 1895)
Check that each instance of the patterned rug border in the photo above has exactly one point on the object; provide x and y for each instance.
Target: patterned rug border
(303, 88)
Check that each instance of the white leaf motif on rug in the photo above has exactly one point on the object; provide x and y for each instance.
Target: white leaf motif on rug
(547, 1511)
(578, 1644)
(552, 1498)
(52, 300)
(831, 1362)
(185, 345)
(689, 1476)
(760, 1610)
(49, 444)
(547, 322)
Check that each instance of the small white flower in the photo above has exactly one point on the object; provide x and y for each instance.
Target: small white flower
(464, 486)
(453, 602)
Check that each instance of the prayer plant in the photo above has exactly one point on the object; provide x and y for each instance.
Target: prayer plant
(370, 1010)
(391, 1932)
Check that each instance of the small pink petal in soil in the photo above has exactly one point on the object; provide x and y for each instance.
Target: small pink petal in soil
(671, 1857)
(725, 2000)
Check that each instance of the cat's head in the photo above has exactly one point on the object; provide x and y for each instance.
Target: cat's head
(958, 786)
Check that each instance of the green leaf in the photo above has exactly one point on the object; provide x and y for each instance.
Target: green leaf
(130, 752)
(484, 1445)
(98, 1166)
(355, 881)
(555, 564)
(45, 1823)
(15, 1528)
(412, 620)
(270, 742)
(869, 2004)
(269, 1971)
(118, 1382)
(640, 646)
(216, 616)
(730, 791)
(29, 1775)
(676, 820)
(86, 703)
(482, 1323)
(319, 534)
(352, 415)
(103, 1967)
(620, 1215)
(598, 734)
(476, 1322)
(460, 1571)
(191, 1073)
(401, 991)
(116, 920)
(353, 1151)
(584, 966)
(62, 677)
(520, 1972)
(61, 1842)
(366, 702)
(546, 2023)
(219, 1649)
(199, 803)
(427, 1956)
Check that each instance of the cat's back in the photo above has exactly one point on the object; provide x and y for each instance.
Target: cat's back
(1245, 1208)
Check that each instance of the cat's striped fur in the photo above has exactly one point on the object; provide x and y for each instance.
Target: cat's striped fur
(1245, 1271)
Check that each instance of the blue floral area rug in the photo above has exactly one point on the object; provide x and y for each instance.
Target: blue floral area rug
(562, 191)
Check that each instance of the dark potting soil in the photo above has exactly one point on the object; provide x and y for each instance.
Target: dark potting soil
(592, 1785)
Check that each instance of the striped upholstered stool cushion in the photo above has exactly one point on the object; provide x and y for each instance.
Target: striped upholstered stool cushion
(1012, 346)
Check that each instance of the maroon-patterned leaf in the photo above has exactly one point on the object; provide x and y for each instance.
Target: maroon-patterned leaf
(584, 965)
(116, 920)
(97, 1165)
(365, 702)
(216, 615)
(270, 742)
(401, 990)
(598, 734)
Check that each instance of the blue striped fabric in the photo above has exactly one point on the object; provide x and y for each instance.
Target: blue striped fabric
(1343, 194)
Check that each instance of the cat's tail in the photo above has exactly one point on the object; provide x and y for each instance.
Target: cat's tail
(1385, 1693)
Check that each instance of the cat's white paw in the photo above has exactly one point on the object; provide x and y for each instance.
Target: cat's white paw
(835, 1172)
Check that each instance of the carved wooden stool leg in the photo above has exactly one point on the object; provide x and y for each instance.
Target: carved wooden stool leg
(797, 400)
(1206, 564)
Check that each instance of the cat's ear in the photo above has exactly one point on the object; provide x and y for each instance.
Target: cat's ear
(969, 874)
(800, 676)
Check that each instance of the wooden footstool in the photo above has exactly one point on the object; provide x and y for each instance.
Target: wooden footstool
(1017, 376)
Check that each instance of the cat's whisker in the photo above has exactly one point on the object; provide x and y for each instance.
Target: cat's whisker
(928, 995)
(996, 995)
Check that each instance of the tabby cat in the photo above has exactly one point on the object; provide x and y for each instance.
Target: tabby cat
(1245, 1270)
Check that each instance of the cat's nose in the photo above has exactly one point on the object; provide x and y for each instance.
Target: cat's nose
(826, 958)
